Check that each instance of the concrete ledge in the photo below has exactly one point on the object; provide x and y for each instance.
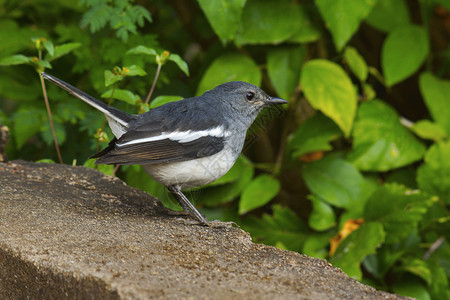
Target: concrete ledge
(73, 233)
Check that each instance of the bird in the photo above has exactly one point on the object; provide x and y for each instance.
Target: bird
(182, 144)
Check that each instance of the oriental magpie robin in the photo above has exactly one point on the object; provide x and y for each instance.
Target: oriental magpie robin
(182, 144)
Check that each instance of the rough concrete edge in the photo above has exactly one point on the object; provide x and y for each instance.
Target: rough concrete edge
(15, 270)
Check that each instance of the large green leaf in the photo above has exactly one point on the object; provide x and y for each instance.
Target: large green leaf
(355, 247)
(436, 93)
(322, 216)
(27, 122)
(309, 31)
(387, 15)
(380, 141)
(224, 16)
(17, 59)
(398, 208)
(283, 67)
(230, 67)
(315, 134)
(429, 130)
(343, 17)
(269, 22)
(282, 226)
(434, 175)
(404, 51)
(337, 182)
(328, 88)
(258, 193)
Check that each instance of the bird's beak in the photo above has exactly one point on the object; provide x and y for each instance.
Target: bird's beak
(275, 100)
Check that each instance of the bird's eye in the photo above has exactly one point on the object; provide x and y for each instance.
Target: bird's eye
(250, 96)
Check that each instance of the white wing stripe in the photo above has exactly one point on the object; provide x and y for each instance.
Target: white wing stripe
(181, 136)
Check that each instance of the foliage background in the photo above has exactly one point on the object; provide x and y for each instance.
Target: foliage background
(355, 170)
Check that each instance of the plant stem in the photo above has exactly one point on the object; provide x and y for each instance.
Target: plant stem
(44, 90)
(154, 84)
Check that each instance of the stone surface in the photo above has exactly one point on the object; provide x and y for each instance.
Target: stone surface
(74, 233)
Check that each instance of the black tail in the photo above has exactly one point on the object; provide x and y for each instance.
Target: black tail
(110, 112)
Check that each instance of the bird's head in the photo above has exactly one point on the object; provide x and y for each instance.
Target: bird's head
(244, 98)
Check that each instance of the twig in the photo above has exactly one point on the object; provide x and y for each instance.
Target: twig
(154, 84)
(44, 90)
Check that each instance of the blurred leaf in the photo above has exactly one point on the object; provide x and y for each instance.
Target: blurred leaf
(283, 226)
(411, 288)
(337, 182)
(49, 47)
(46, 160)
(122, 95)
(161, 100)
(316, 245)
(142, 50)
(356, 63)
(224, 16)
(417, 267)
(105, 169)
(434, 175)
(435, 92)
(283, 67)
(404, 51)
(353, 249)
(429, 130)
(111, 78)
(216, 193)
(43, 63)
(328, 88)
(60, 132)
(17, 59)
(404, 176)
(135, 70)
(309, 31)
(322, 216)
(439, 287)
(398, 209)
(387, 15)
(61, 50)
(180, 63)
(258, 193)
(27, 122)
(269, 22)
(380, 141)
(229, 67)
(315, 134)
(342, 17)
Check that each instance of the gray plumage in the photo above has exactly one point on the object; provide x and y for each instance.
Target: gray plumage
(182, 144)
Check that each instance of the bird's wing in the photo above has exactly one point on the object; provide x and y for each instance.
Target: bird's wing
(150, 144)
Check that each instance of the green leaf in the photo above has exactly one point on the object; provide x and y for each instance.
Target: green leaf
(356, 63)
(161, 100)
(398, 208)
(230, 67)
(227, 189)
(17, 59)
(315, 134)
(343, 17)
(47, 134)
(106, 169)
(404, 51)
(322, 216)
(49, 47)
(387, 15)
(309, 31)
(122, 95)
(283, 67)
(316, 245)
(411, 288)
(63, 49)
(27, 122)
(258, 193)
(269, 22)
(434, 175)
(142, 50)
(111, 78)
(429, 130)
(282, 226)
(380, 141)
(435, 92)
(134, 70)
(328, 88)
(355, 247)
(224, 16)
(337, 182)
(180, 63)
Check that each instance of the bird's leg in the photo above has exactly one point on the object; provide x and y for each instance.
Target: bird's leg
(186, 204)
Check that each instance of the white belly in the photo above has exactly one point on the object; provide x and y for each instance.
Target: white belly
(195, 172)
